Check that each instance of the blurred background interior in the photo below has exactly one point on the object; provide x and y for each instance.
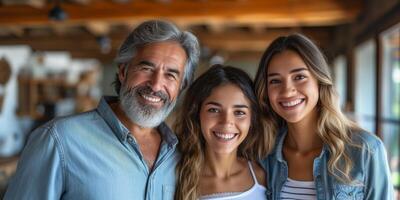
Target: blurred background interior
(56, 57)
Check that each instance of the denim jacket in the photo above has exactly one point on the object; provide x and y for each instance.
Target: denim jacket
(370, 170)
(92, 156)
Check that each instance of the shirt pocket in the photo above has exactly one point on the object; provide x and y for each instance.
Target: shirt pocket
(168, 192)
(348, 192)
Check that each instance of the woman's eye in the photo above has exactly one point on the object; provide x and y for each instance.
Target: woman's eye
(299, 77)
(274, 81)
(213, 110)
(240, 113)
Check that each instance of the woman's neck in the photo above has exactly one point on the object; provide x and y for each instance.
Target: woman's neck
(222, 165)
(302, 136)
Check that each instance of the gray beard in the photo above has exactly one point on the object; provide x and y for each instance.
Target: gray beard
(141, 114)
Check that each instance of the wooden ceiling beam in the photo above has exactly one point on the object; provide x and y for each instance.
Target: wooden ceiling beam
(216, 27)
(13, 30)
(255, 41)
(272, 13)
(33, 3)
(84, 2)
(230, 41)
(98, 28)
(60, 29)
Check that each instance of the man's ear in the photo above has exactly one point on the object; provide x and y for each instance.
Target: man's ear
(121, 72)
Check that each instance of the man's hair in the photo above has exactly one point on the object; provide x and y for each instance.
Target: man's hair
(159, 31)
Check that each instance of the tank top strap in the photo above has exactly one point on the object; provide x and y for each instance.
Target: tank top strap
(253, 174)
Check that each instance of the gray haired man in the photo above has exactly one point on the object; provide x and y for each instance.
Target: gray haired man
(122, 149)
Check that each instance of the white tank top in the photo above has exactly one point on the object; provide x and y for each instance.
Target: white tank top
(256, 192)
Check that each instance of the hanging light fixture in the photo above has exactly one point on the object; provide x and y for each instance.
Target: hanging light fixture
(104, 43)
(57, 13)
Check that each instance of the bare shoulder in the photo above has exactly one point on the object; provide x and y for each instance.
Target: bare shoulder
(260, 173)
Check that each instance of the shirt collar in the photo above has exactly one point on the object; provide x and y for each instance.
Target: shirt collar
(279, 144)
(111, 119)
(168, 135)
(121, 131)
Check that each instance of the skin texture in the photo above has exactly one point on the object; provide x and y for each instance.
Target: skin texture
(160, 66)
(290, 83)
(226, 112)
(293, 94)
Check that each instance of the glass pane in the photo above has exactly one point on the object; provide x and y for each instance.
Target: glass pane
(365, 85)
(391, 100)
(340, 81)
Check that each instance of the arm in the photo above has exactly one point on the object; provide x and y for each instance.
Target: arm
(39, 174)
(378, 183)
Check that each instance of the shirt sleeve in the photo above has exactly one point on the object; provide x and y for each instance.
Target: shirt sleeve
(39, 175)
(378, 184)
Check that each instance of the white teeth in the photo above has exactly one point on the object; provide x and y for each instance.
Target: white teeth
(292, 103)
(151, 98)
(225, 136)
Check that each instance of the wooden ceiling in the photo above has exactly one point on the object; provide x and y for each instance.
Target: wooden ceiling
(233, 26)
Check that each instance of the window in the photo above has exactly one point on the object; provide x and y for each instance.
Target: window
(390, 121)
(365, 85)
(339, 77)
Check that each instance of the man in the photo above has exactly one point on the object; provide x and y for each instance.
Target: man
(122, 149)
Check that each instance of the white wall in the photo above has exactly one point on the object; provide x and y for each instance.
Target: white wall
(11, 130)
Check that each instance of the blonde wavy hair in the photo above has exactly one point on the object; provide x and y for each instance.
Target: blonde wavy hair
(333, 127)
(188, 129)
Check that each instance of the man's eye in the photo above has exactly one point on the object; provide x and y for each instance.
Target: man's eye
(146, 68)
(171, 76)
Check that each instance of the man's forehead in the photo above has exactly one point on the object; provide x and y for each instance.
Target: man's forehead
(164, 45)
(169, 51)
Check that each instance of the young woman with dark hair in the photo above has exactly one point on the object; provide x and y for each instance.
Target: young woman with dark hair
(220, 137)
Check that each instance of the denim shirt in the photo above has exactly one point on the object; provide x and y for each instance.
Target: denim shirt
(370, 170)
(92, 156)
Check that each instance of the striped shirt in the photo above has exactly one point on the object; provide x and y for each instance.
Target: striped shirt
(304, 190)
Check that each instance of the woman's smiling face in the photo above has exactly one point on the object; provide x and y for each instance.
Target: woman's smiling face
(292, 89)
(225, 118)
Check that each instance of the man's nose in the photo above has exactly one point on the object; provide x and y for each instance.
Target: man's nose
(156, 81)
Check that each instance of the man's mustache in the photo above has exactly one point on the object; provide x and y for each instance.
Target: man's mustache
(147, 90)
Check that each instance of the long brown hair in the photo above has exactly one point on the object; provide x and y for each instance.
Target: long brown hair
(191, 141)
(333, 127)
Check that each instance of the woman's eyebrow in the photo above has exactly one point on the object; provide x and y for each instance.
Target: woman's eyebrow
(292, 71)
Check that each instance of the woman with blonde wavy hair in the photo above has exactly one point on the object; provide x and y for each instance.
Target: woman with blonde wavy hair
(318, 153)
(220, 137)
